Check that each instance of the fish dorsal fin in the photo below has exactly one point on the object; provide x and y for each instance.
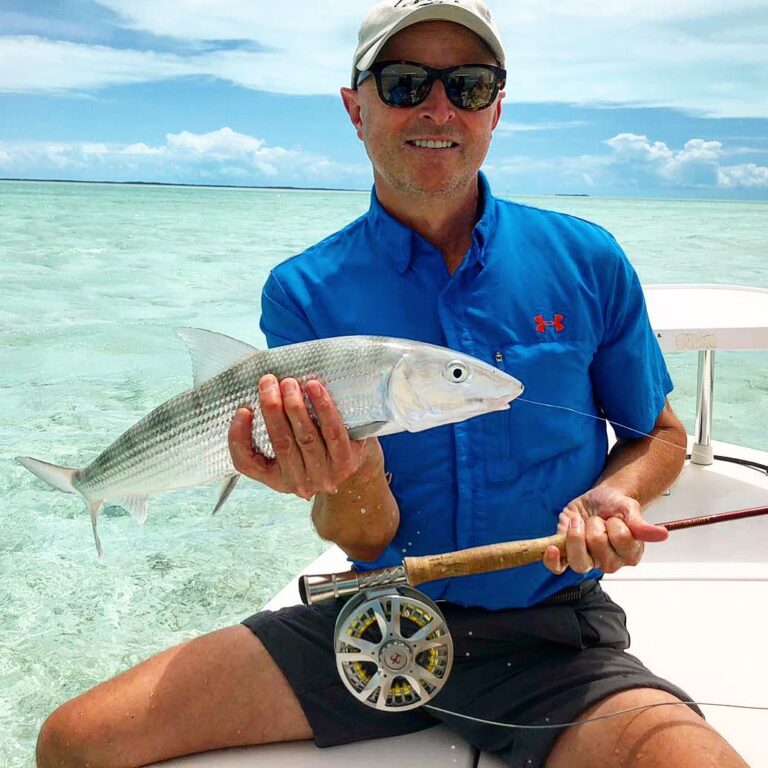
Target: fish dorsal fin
(212, 352)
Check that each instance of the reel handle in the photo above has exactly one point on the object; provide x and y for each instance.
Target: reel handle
(492, 557)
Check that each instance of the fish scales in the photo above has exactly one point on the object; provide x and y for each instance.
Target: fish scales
(184, 441)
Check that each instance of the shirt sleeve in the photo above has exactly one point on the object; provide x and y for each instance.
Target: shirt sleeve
(629, 374)
(282, 320)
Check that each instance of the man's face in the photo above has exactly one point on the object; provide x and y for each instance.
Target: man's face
(390, 133)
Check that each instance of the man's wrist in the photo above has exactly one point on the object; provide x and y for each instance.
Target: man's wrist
(371, 468)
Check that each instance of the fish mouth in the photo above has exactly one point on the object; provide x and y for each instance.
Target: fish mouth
(501, 402)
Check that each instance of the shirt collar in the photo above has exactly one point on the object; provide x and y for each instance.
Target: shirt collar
(486, 224)
(398, 241)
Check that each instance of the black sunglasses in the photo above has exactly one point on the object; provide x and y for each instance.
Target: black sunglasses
(407, 83)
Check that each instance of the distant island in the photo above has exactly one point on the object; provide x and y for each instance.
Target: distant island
(187, 184)
(232, 186)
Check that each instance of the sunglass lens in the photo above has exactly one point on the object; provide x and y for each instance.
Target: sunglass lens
(403, 85)
(472, 88)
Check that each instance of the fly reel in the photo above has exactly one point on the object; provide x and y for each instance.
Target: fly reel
(393, 648)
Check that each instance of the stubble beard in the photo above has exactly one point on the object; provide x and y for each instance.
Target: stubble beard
(392, 171)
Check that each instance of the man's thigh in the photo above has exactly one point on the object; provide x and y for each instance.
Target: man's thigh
(300, 639)
(218, 690)
(551, 665)
(672, 735)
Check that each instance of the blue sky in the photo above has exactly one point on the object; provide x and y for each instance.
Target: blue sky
(629, 97)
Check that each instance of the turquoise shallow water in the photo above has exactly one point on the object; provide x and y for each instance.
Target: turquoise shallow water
(93, 280)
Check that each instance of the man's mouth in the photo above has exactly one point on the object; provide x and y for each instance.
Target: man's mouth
(430, 144)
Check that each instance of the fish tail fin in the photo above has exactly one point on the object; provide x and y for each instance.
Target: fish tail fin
(57, 477)
(61, 479)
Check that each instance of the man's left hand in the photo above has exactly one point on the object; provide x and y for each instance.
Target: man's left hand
(604, 529)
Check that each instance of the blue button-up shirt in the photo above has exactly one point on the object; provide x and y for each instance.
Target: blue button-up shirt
(549, 298)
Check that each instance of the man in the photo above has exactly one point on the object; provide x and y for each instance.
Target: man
(547, 296)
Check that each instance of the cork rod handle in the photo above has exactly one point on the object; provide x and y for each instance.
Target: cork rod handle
(493, 557)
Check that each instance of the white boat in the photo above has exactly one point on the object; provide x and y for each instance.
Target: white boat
(695, 605)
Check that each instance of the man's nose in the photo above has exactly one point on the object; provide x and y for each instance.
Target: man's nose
(437, 106)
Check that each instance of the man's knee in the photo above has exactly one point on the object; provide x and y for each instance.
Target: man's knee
(643, 726)
(63, 743)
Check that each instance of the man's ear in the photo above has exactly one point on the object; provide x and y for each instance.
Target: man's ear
(351, 99)
(497, 110)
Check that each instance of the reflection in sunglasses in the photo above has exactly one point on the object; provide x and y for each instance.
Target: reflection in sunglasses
(406, 84)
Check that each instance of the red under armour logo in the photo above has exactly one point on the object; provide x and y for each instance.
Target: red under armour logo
(541, 323)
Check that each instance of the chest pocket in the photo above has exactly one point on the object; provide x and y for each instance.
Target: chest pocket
(556, 377)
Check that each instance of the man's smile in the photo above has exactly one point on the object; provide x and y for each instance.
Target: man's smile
(432, 143)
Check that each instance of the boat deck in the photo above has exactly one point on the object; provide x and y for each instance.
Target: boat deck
(696, 614)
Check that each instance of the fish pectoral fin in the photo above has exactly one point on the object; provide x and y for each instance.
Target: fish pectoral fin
(136, 505)
(213, 352)
(374, 429)
(226, 489)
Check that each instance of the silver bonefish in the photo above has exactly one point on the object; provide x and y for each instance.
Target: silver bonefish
(380, 385)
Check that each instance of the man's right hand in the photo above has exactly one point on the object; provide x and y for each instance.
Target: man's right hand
(308, 460)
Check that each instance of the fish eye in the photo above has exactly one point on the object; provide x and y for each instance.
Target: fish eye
(456, 372)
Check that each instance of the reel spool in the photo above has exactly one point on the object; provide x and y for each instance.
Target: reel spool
(393, 648)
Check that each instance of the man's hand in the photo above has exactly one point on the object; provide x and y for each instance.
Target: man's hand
(307, 460)
(604, 529)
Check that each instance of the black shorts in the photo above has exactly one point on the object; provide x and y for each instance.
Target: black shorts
(539, 665)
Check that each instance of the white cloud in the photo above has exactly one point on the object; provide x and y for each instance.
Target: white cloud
(32, 64)
(630, 146)
(748, 176)
(698, 164)
(691, 54)
(637, 163)
(218, 156)
(29, 64)
(141, 149)
(212, 19)
(508, 127)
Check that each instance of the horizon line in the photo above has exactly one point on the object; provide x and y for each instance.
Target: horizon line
(290, 188)
(183, 184)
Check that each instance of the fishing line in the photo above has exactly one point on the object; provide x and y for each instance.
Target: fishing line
(757, 466)
(601, 418)
(551, 726)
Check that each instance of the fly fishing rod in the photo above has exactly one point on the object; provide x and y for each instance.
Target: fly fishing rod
(393, 648)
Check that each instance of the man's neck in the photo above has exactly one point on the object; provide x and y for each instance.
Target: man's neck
(446, 221)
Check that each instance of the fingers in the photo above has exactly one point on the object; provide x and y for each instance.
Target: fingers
(282, 404)
(577, 551)
(593, 543)
(554, 561)
(309, 459)
(343, 453)
(600, 544)
(244, 458)
(628, 549)
(329, 456)
(309, 465)
(643, 530)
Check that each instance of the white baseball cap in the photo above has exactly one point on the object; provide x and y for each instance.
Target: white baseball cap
(389, 17)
